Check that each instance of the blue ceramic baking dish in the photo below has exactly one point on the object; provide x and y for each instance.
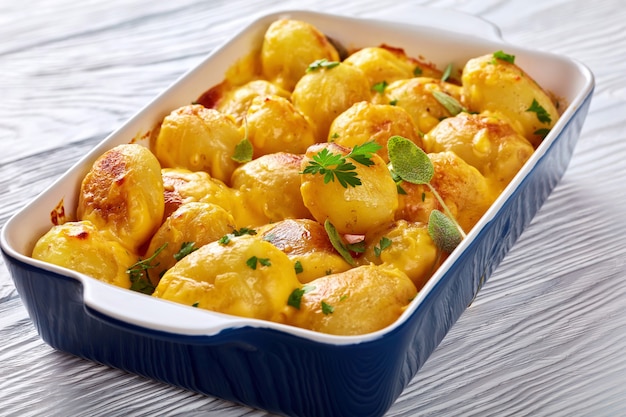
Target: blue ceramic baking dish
(285, 370)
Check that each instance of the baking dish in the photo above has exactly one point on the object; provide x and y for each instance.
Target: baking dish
(285, 370)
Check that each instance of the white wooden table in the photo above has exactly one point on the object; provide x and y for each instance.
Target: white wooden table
(546, 336)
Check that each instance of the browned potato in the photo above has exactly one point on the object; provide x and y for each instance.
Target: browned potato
(358, 301)
(289, 46)
(79, 246)
(406, 246)
(122, 195)
(305, 241)
(462, 187)
(381, 64)
(415, 95)
(491, 84)
(192, 223)
(486, 142)
(354, 210)
(274, 125)
(246, 277)
(364, 122)
(325, 93)
(269, 190)
(198, 139)
(237, 100)
(182, 186)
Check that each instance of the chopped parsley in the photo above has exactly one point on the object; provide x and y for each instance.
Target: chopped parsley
(253, 261)
(383, 244)
(417, 71)
(298, 267)
(504, 56)
(295, 298)
(327, 308)
(334, 165)
(185, 249)
(380, 87)
(321, 63)
(542, 114)
(137, 272)
(225, 240)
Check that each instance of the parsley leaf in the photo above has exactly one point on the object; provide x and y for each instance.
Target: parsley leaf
(185, 249)
(327, 308)
(504, 56)
(321, 63)
(542, 114)
(380, 87)
(253, 261)
(298, 267)
(295, 298)
(417, 71)
(137, 272)
(383, 244)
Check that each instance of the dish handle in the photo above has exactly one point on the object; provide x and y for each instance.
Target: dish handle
(440, 18)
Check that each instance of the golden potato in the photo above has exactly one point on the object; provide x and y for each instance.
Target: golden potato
(484, 141)
(364, 122)
(324, 93)
(79, 246)
(192, 223)
(415, 95)
(269, 187)
(380, 64)
(247, 277)
(198, 139)
(358, 301)
(462, 187)
(274, 125)
(305, 241)
(289, 46)
(237, 100)
(122, 195)
(491, 84)
(182, 186)
(351, 209)
(406, 246)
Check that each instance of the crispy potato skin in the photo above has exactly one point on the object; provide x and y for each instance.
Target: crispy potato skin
(79, 246)
(415, 95)
(182, 186)
(293, 134)
(198, 139)
(269, 189)
(122, 195)
(353, 210)
(323, 94)
(219, 278)
(363, 299)
(364, 122)
(485, 141)
(411, 250)
(462, 187)
(236, 100)
(305, 241)
(289, 47)
(491, 84)
(382, 65)
(195, 222)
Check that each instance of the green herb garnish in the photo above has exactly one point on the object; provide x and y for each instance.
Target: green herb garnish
(295, 298)
(542, 132)
(380, 87)
(542, 114)
(321, 63)
(413, 165)
(327, 308)
(185, 249)
(450, 103)
(225, 240)
(338, 243)
(253, 261)
(443, 231)
(137, 272)
(298, 267)
(504, 56)
(196, 304)
(417, 71)
(383, 244)
(446, 73)
(243, 151)
(333, 165)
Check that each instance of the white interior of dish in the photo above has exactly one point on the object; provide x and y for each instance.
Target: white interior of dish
(561, 76)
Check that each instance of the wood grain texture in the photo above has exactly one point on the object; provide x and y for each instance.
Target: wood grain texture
(544, 337)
